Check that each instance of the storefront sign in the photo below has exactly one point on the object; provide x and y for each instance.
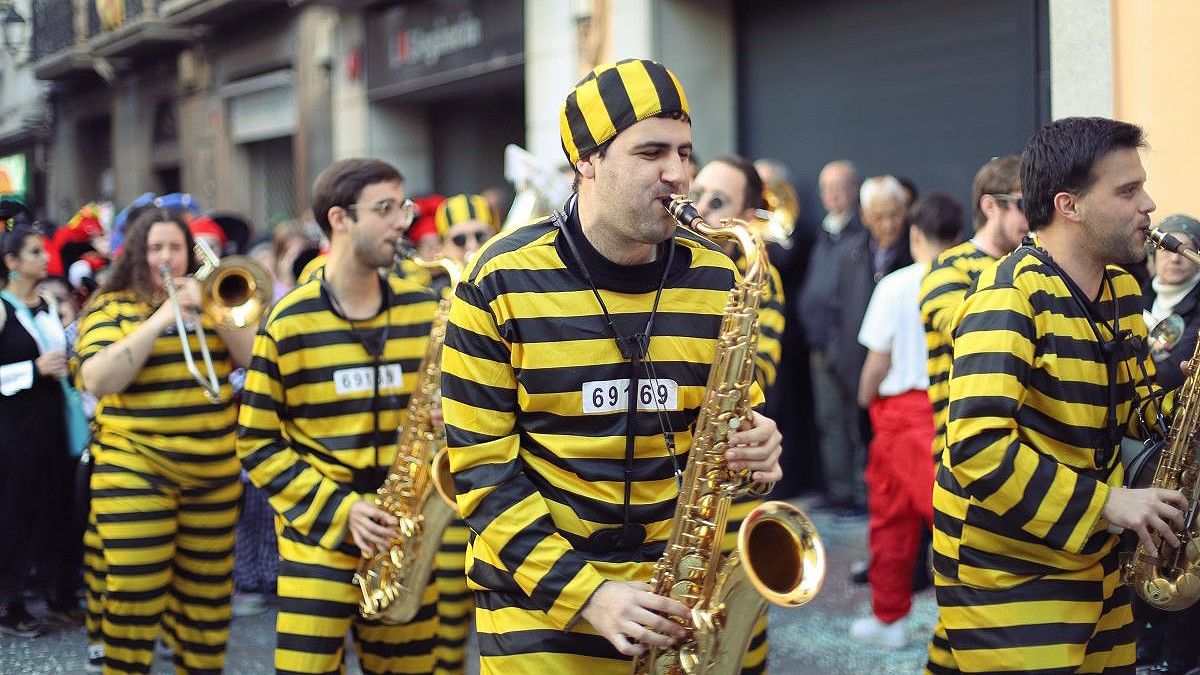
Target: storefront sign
(13, 176)
(261, 107)
(420, 44)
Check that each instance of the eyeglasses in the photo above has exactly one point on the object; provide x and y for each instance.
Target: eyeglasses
(716, 200)
(1011, 199)
(460, 240)
(389, 210)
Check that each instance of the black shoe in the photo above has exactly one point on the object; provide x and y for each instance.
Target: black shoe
(15, 620)
(828, 504)
(852, 511)
(858, 571)
(65, 614)
(1165, 667)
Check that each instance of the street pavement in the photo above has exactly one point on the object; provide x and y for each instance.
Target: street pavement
(807, 640)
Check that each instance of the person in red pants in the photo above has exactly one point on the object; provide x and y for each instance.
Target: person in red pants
(899, 471)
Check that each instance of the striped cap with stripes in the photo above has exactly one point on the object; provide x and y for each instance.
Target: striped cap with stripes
(614, 97)
(463, 208)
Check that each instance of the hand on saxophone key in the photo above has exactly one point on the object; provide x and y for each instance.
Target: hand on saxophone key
(756, 446)
(631, 617)
(1146, 511)
(371, 528)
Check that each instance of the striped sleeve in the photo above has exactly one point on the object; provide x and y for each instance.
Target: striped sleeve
(98, 329)
(313, 504)
(941, 292)
(501, 504)
(771, 324)
(994, 352)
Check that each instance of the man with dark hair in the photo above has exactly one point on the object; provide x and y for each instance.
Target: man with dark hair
(892, 387)
(729, 187)
(569, 389)
(1045, 382)
(333, 367)
(999, 226)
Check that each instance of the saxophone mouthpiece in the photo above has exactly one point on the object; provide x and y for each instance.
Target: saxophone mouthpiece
(682, 209)
(1171, 243)
(405, 249)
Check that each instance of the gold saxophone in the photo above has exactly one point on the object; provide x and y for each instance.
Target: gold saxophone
(779, 556)
(1168, 577)
(418, 491)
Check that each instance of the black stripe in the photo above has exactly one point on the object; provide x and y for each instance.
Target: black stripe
(668, 94)
(581, 135)
(615, 99)
(546, 641)
(1029, 635)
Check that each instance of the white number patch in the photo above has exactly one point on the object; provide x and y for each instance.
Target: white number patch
(358, 380)
(607, 396)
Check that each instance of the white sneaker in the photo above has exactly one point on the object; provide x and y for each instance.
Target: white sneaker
(95, 662)
(873, 631)
(248, 604)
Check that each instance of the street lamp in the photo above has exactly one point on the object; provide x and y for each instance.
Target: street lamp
(15, 28)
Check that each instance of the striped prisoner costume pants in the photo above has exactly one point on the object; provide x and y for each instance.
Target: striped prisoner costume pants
(514, 640)
(168, 550)
(94, 572)
(318, 603)
(455, 603)
(1077, 622)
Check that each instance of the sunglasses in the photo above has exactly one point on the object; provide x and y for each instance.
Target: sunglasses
(1011, 199)
(460, 240)
(716, 200)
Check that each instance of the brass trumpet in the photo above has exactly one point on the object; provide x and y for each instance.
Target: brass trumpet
(234, 293)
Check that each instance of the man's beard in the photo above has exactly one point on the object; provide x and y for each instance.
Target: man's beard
(370, 255)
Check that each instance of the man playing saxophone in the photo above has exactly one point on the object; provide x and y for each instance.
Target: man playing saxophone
(575, 360)
(332, 370)
(1048, 373)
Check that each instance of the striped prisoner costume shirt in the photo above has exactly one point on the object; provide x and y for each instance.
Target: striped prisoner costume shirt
(1030, 456)
(534, 388)
(770, 328)
(309, 435)
(942, 290)
(163, 413)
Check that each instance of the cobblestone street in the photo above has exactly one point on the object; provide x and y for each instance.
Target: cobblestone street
(809, 640)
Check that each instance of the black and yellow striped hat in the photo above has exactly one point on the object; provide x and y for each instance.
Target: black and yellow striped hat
(614, 97)
(462, 208)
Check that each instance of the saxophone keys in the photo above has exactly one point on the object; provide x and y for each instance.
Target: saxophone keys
(1158, 591)
(1192, 551)
(689, 660)
(1188, 585)
(681, 591)
(691, 565)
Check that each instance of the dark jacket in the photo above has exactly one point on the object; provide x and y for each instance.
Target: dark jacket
(854, 282)
(1169, 376)
(818, 293)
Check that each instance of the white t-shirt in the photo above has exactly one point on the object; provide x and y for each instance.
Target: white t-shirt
(893, 324)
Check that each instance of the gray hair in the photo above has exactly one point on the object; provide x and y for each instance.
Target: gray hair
(877, 187)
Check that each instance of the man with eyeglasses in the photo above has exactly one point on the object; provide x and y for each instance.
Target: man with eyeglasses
(729, 187)
(332, 370)
(999, 227)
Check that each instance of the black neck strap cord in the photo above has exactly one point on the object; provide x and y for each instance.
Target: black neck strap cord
(635, 348)
(1110, 350)
(375, 351)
